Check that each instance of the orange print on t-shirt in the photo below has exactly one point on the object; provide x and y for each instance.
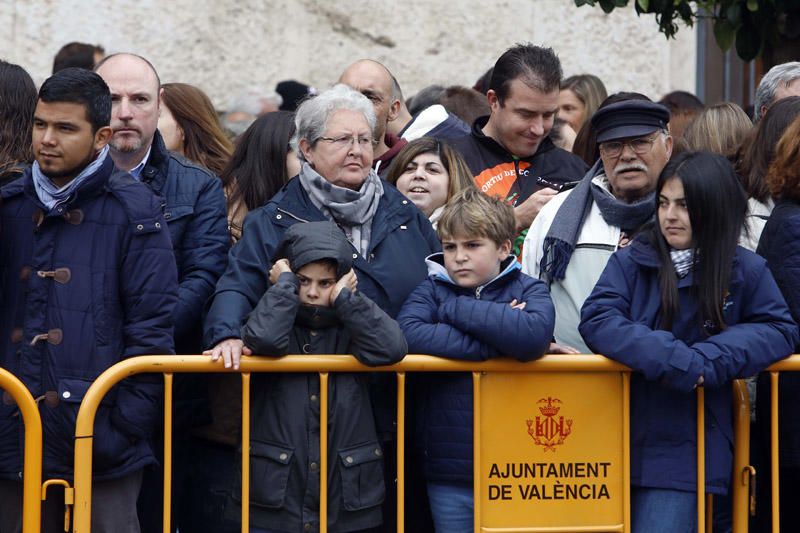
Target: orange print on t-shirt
(498, 180)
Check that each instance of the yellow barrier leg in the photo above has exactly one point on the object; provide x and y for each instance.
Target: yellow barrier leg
(246, 452)
(701, 460)
(626, 451)
(775, 466)
(167, 512)
(476, 454)
(401, 451)
(323, 452)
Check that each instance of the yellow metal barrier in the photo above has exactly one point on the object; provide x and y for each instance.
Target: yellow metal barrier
(32, 463)
(323, 365)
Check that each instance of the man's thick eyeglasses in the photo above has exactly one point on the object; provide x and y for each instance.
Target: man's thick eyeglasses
(346, 141)
(640, 146)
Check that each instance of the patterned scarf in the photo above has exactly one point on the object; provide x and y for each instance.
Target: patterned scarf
(352, 210)
(682, 260)
(50, 195)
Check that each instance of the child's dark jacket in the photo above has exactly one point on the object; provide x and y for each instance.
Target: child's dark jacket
(440, 318)
(284, 445)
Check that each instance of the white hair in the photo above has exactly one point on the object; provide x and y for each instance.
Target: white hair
(782, 74)
(311, 118)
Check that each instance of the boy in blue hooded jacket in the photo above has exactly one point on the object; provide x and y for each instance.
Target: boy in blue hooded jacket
(476, 304)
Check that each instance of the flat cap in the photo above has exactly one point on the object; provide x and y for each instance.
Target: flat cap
(631, 118)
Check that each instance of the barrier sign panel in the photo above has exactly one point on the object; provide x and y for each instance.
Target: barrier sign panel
(552, 450)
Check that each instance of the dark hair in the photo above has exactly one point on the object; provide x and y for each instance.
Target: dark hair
(535, 66)
(426, 97)
(80, 86)
(80, 55)
(717, 207)
(585, 145)
(482, 84)
(17, 104)
(257, 169)
(203, 139)
(758, 149)
(465, 103)
(678, 101)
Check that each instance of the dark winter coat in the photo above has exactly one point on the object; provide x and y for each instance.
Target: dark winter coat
(194, 208)
(491, 165)
(98, 276)
(440, 318)
(780, 246)
(620, 320)
(284, 446)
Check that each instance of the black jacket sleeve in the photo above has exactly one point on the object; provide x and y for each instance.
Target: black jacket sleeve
(269, 326)
(375, 338)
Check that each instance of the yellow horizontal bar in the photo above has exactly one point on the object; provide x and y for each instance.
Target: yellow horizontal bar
(790, 364)
(584, 529)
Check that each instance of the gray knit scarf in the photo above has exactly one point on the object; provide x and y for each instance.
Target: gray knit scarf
(352, 210)
(559, 243)
(682, 260)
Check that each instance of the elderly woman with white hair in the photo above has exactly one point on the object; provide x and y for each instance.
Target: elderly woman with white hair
(389, 235)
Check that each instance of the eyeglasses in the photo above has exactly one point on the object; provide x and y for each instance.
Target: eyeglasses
(640, 146)
(346, 141)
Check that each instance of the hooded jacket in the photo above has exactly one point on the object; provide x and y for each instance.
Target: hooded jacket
(474, 324)
(620, 320)
(284, 445)
(85, 285)
(498, 172)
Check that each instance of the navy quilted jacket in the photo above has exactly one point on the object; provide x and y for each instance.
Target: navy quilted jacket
(84, 286)
(620, 320)
(440, 318)
(194, 208)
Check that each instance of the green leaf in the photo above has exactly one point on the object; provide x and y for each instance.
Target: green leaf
(643, 4)
(724, 33)
(607, 5)
(752, 5)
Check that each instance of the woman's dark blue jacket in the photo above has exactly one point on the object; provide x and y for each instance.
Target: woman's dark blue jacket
(780, 246)
(440, 318)
(98, 276)
(620, 320)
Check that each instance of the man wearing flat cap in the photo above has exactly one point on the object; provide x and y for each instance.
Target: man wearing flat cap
(571, 240)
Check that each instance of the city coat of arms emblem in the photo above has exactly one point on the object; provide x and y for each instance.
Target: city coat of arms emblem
(549, 430)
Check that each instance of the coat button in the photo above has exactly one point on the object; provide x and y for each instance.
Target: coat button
(307, 526)
(280, 217)
(314, 466)
(158, 225)
(348, 460)
(283, 457)
(140, 227)
(378, 452)
(405, 202)
(66, 394)
(313, 398)
(355, 256)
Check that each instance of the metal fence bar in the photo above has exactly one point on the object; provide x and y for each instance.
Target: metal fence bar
(167, 503)
(775, 457)
(476, 454)
(626, 450)
(401, 451)
(245, 452)
(741, 457)
(32, 459)
(701, 460)
(323, 452)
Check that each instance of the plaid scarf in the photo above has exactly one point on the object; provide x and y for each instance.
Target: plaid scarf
(352, 210)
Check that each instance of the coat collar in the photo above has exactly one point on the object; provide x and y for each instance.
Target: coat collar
(492, 145)
(91, 187)
(156, 170)
(438, 272)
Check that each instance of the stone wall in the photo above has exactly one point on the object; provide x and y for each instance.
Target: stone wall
(224, 46)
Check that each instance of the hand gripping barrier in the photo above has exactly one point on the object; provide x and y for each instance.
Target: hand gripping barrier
(32, 490)
(548, 432)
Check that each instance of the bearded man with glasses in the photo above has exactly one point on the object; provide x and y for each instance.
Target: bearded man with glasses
(569, 243)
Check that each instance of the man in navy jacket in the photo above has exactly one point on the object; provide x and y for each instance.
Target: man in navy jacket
(88, 279)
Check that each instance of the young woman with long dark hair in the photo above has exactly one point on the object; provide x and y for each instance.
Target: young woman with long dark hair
(17, 102)
(261, 165)
(684, 306)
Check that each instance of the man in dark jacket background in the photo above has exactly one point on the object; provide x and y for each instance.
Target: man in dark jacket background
(509, 151)
(193, 202)
(89, 280)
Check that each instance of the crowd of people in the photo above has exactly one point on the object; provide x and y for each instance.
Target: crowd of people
(528, 214)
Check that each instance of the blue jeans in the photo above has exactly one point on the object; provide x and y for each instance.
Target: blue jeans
(663, 510)
(452, 507)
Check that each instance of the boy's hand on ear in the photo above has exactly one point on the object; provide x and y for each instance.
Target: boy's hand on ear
(349, 280)
(280, 266)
